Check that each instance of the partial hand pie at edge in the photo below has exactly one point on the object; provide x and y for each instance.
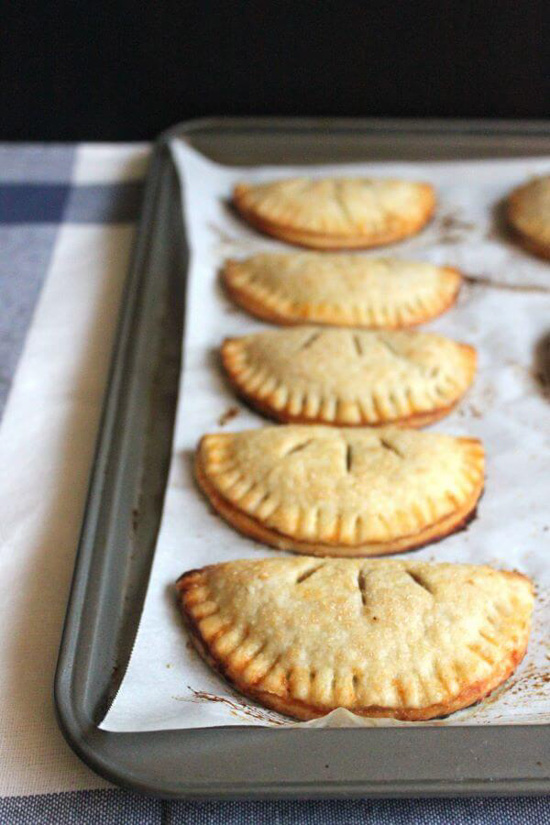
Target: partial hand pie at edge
(408, 640)
(528, 212)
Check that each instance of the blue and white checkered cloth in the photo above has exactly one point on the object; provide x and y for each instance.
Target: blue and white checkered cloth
(66, 225)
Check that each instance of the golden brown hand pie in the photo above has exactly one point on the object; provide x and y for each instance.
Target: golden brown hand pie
(529, 215)
(336, 213)
(341, 492)
(345, 377)
(381, 638)
(343, 290)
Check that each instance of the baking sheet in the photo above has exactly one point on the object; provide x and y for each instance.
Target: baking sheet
(504, 310)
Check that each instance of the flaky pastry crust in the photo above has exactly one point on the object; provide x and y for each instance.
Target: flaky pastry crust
(337, 213)
(341, 492)
(341, 290)
(528, 211)
(409, 640)
(350, 378)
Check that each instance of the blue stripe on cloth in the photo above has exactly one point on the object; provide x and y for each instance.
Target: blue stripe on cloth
(114, 806)
(99, 203)
(467, 811)
(60, 203)
(109, 807)
(26, 253)
(30, 216)
(32, 203)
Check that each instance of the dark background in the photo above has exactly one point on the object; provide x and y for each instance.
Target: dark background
(126, 70)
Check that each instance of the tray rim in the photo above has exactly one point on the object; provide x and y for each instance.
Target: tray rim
(471, 126)
(115, 755)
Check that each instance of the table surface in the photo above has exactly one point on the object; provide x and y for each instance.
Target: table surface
(48, 194)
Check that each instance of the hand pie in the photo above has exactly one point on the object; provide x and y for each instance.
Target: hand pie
(529, 215)
(341, 492)
(337, 213)
(380, 638)
(343, 290)
(345, 377)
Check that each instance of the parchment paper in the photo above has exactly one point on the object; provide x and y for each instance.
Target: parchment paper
(503, 310)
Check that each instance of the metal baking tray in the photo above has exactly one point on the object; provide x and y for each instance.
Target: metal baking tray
(125, 502)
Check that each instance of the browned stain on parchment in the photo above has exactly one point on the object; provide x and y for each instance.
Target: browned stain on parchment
(227, 416)
(494, 283)
(450, 228)
(541, 365)
(237, 708)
